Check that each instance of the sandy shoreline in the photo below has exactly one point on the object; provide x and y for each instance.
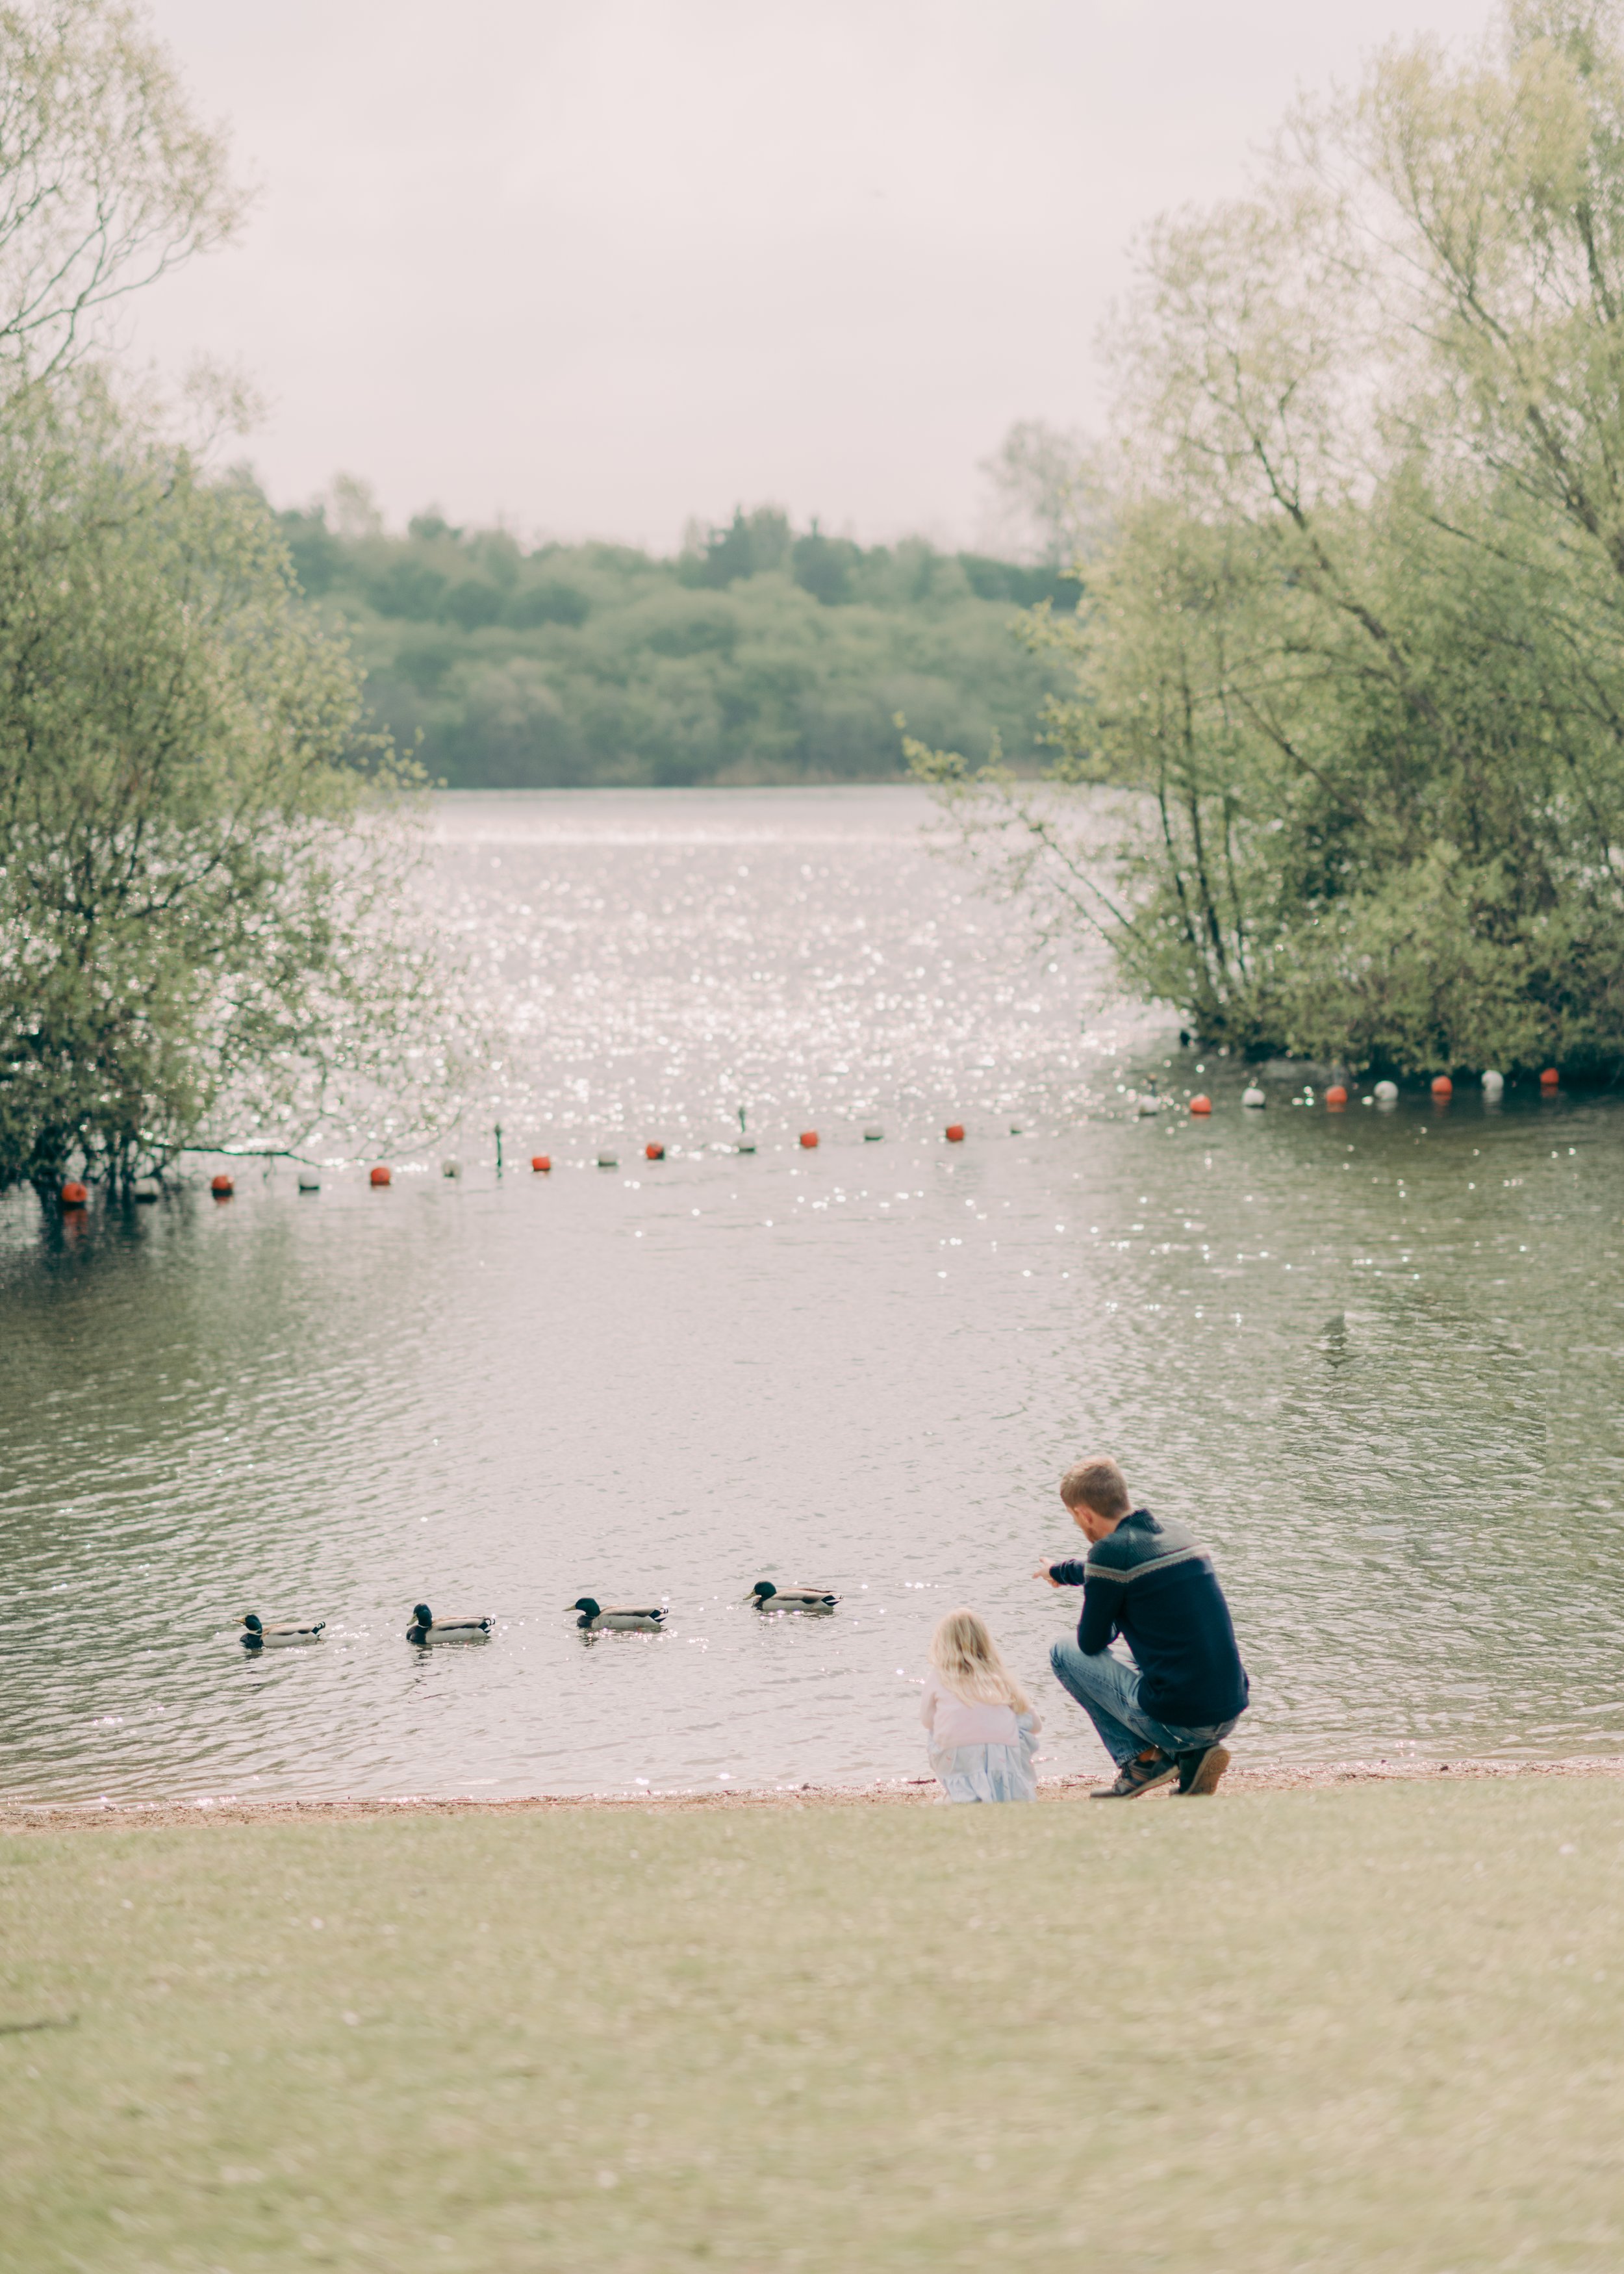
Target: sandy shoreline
(125, 1815)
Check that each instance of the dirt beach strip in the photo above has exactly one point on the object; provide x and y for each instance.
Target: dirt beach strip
(912, 1792)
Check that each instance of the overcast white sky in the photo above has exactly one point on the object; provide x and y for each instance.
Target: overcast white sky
(597, 267)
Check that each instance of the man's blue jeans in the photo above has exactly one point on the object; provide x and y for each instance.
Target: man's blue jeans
(1109, 1693)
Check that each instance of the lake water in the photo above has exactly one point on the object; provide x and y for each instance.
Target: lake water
(1374, 1355)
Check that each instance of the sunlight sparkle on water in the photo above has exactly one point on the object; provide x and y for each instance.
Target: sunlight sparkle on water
(1373, 1356)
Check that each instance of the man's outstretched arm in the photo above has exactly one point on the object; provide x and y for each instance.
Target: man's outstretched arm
(1102, 1600)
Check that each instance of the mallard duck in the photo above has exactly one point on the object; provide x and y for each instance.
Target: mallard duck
(646, 1619)
(426, 1627)
(256, 1634)
(767, 1597)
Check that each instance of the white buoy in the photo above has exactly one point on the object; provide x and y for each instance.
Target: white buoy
(608, 1161)
(872, 1136)
(1253, 1098)
(1386, 1093)
(1146, 1106)
(147, 1189)
(451, 1168)
(309, 1181)
(1494, 1083)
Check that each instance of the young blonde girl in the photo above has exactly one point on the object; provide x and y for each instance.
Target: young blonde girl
(981, 1729)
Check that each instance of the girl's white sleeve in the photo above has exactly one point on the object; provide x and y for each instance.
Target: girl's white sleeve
(928, 1705)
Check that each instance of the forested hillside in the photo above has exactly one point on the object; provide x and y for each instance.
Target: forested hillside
(758, 654)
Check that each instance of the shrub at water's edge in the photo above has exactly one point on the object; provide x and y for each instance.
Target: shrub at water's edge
(1360, 641)
(200, 913)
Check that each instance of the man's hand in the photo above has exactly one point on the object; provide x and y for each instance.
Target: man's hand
(1046, 1571)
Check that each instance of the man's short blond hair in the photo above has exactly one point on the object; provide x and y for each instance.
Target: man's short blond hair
(1098, 1485)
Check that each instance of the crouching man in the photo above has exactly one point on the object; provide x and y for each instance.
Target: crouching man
(1165, 1716)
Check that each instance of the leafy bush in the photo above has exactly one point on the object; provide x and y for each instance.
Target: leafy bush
(1359, 640)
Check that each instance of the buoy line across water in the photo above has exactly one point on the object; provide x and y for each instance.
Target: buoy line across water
(74, 1194)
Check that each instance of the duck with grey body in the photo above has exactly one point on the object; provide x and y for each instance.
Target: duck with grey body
(767, 1597)
(426, 1628)
(635, 1618)
(257, 1636)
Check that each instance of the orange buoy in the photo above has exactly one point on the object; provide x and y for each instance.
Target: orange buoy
(1335, 1097)
(1442, 1087)
(380, 1175)
(809, 1138)
(1201, 1103)
(1549, 1078)
(955, 1132)
(654, 1152)
(74, 1194)
(222, 1186)
(541, 1162)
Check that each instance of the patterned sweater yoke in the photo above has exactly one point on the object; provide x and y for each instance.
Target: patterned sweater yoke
(1154, 1584)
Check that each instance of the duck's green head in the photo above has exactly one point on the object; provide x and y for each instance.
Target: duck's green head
(587, 1607)
(422, 1614)
(251, 1622)
(763, 1590)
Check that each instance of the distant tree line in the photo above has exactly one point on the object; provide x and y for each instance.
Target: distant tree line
(760, 653)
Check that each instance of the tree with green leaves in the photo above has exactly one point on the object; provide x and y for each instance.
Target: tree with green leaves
(1360, 641)
(201, 935)
(203, 929)
(106, 180)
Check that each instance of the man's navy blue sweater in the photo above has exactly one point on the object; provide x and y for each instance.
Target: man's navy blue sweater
(1154, 1584)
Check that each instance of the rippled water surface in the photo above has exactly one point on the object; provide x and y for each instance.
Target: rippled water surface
(1374, 1355)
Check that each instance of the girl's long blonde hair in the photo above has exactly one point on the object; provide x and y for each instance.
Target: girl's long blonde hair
(966, 1658)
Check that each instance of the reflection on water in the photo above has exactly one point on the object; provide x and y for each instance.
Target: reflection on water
(1375, 1355)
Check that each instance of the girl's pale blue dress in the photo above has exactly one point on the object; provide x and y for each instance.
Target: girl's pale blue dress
(991, 1772)
(993, 1758)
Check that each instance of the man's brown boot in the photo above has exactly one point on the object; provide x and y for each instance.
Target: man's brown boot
(1198, 1773)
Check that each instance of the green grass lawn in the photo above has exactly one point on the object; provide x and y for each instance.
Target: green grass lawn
(1379, 2026)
